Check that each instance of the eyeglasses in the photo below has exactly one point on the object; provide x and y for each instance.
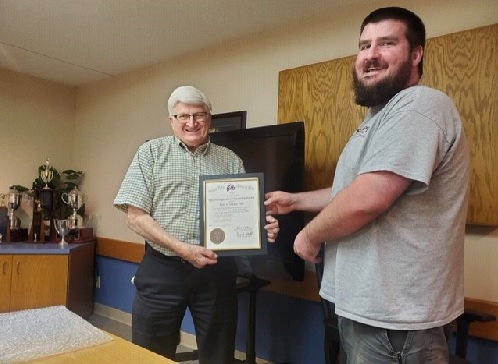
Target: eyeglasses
(198, 116)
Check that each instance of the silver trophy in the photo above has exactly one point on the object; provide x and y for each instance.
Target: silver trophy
(14, 203)
(46, 174)
(62, 228)
(75, 200)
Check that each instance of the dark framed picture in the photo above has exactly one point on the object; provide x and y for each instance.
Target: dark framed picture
(232, 214)
(234, 120)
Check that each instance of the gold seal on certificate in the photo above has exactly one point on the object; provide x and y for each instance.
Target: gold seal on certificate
(233, 214)
(217, 236)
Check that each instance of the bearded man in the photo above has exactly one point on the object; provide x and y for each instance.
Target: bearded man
(394, 219)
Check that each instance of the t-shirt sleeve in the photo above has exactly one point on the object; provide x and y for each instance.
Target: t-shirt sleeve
(406, 143)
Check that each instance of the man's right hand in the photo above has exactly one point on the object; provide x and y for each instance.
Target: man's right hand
(279, 202)
(199, 256)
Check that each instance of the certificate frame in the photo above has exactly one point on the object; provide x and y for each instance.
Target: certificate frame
(232, 214)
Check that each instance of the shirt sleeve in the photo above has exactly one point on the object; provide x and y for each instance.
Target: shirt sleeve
(406, 146)
(412, 138)
(137, 189)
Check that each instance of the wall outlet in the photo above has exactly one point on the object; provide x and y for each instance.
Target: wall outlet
(97, 282)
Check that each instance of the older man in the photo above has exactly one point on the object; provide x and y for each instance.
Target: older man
(160, 196)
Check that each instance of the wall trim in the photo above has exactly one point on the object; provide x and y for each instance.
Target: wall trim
(121, 250)
(112, 313)
(485, 330)
(307, 289)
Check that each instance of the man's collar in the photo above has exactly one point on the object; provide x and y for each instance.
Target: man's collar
(201, 149)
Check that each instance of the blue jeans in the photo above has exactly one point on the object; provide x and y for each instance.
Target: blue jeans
(366, 344)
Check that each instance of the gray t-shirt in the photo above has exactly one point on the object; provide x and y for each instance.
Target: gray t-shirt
(404, 270)
(163, 180)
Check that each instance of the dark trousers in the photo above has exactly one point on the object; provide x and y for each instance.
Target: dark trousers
(166, 286)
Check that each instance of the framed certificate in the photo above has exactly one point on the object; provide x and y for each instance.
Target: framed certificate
(232, 214)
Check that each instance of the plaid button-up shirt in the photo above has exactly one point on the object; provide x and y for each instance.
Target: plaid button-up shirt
(163, 180)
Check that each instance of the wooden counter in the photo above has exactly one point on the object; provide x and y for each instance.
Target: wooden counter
(115, 351)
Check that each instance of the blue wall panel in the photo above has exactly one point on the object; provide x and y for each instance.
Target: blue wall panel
(116, 289)
(287, 329)
(479, 351)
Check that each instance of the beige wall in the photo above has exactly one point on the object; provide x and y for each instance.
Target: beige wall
(113, 117)
(36, 121)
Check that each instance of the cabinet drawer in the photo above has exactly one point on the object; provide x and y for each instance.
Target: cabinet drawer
(38, 281)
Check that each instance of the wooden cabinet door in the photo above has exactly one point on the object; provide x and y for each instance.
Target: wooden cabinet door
(38, 281)
(5, 277)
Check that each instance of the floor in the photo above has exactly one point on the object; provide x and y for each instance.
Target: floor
(184, 355)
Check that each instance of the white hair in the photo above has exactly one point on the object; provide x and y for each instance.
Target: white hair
(188, 95)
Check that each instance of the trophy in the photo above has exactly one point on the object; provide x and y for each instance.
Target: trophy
(14, 203)
(46, 174)
(75, 200)
(62, 228)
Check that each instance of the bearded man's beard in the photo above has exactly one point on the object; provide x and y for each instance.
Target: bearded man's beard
(384, 90)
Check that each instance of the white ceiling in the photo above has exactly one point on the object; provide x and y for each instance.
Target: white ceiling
(75, 42)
